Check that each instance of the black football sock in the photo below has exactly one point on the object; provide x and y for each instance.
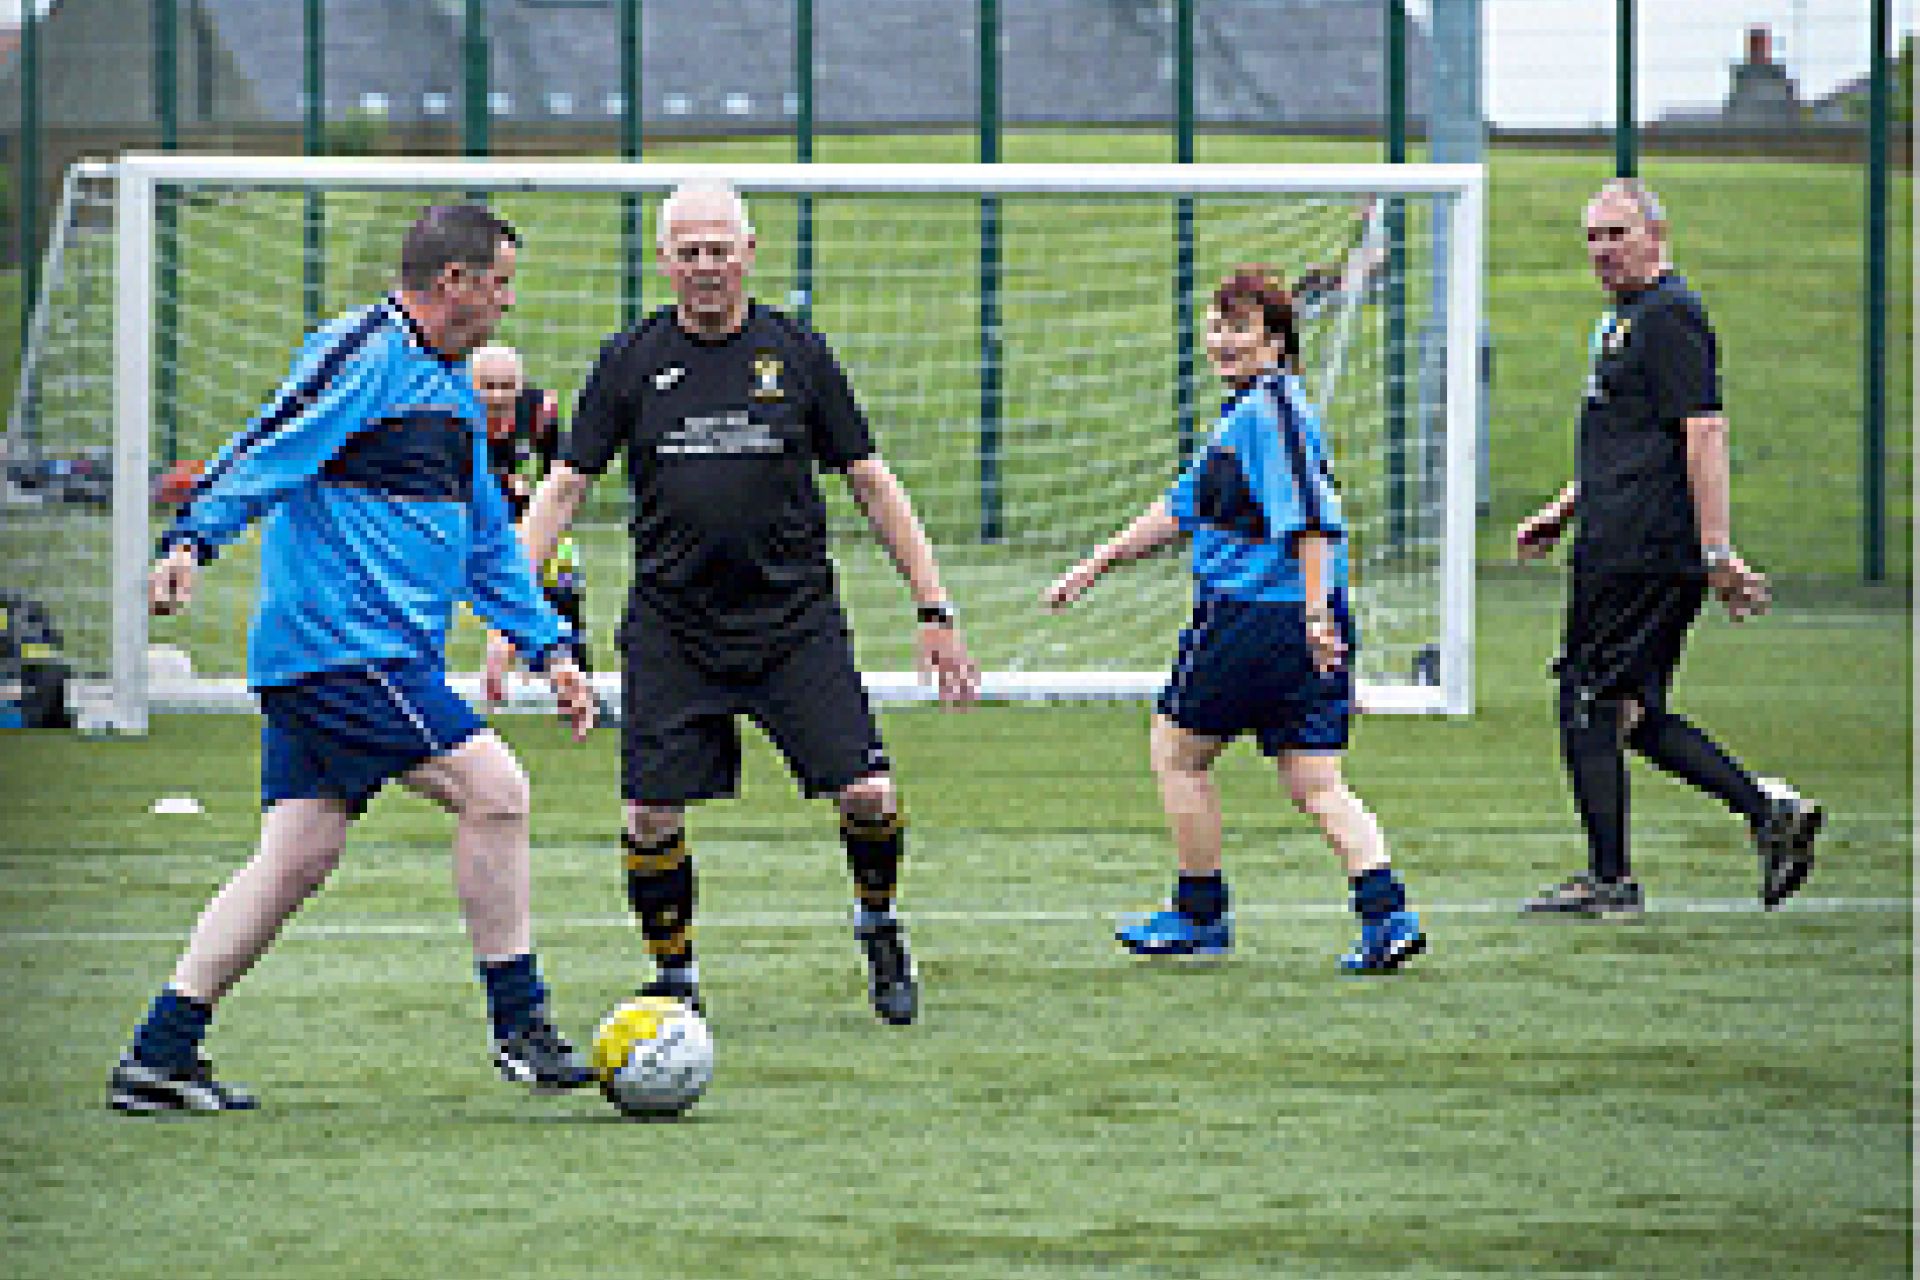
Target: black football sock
(1597, 768)
(874, 849)
(660, 887)
(1678, 746)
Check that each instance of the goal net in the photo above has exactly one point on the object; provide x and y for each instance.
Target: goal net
(1026, 340)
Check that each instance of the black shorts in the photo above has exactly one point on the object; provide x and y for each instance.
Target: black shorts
(680, 740)
(1624, 634)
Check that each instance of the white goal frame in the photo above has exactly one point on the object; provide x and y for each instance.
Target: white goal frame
(125, 705)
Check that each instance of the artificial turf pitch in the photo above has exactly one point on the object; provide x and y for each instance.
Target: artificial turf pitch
(1717, 1091)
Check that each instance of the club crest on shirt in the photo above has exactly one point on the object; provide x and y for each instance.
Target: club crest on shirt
(667, 378)
(1616, 336)
(766, 377)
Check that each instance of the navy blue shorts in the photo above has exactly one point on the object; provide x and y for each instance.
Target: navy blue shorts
(1244, 666)
(345, 734)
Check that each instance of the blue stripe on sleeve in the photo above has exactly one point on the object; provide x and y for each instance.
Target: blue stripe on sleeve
(1294, 438)
(287, 409)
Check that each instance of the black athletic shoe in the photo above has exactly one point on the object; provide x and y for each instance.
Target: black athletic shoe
(687, 993)
(1589, 898)
(1784, 842)
(890, 981)
(139, 1089)
(540, 1056)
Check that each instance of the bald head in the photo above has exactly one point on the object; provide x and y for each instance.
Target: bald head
(498, 376)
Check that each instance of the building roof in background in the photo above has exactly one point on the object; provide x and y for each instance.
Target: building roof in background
(729, 63)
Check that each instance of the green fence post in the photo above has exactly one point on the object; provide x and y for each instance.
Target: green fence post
(476, 104)
(803, 149)
(990, 392)
(166, 94)
(1396, 301)
(1183, 369)
(633, 240)
(1873, 461)
(1626, 128)
(27, 199)
(313, 276)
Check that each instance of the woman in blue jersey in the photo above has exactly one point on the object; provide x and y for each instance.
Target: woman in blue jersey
(1268, 646)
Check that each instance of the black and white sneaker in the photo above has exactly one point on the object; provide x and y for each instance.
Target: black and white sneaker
(1784, 842)
(139, 1089)
(539, 1056)
(890, 980)
(685, 991)
(1588, 898)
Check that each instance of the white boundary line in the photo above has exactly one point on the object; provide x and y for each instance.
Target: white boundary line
(810, 919)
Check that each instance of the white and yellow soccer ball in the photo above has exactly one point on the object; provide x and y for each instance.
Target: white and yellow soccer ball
(653, 1056)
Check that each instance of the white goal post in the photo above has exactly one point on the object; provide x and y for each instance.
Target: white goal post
(1013, 331)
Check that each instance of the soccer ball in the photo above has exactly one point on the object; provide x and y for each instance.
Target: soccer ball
(653, 1056)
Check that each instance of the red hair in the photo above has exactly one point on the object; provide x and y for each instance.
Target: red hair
(1255, 288)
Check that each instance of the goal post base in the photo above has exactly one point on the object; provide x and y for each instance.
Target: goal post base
(530, 694)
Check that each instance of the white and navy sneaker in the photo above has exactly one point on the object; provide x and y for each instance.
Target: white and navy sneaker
(891, 984)
(138, 1089)
(539, 1056)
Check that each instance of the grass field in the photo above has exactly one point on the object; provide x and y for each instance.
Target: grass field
(1714, 1093)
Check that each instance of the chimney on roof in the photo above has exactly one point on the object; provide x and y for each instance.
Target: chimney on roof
(1763, 95)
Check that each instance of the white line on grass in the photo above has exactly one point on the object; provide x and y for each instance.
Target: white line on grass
(1079, 915)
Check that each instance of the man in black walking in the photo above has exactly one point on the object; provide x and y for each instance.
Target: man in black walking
(1651, 497)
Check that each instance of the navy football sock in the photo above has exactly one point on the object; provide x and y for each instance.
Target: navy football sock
(1377, 894)
(514, 992)
(1201, 898)
(1678, 746)
(169, 1039)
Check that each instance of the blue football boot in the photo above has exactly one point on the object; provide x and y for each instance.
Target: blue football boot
(1386, 944)
(1174, 933)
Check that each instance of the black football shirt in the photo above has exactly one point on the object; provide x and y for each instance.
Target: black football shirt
(1655, 364)
(529, 441)
(723, 440)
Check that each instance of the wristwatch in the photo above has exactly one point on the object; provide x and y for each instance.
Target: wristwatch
(938, 614)
(1716, 556)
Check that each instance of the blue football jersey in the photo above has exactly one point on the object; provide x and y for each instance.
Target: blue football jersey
(1259, 483)
(369, 469)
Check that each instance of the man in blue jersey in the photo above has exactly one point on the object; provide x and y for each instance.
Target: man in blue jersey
(368, 467)
(1268, 647)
